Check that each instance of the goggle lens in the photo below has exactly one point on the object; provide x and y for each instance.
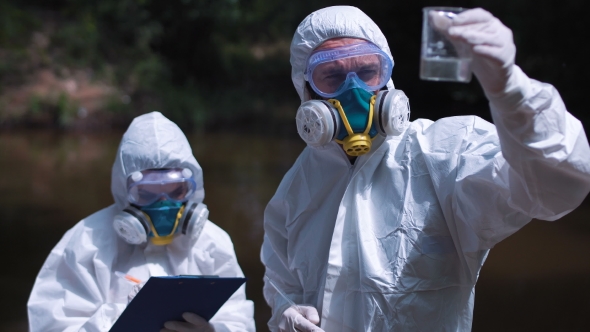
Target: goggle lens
(328, 69)
(327, 77)
(157, 184)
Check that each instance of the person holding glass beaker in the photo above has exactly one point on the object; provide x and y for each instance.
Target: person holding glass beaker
(384, 223)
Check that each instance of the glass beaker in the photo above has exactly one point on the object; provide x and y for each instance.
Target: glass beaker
(440, 58)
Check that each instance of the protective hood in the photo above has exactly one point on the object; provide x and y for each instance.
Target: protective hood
(328, 23)
(152, 141)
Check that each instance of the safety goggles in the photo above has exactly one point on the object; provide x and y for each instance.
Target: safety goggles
(148, 186)
(327, 69)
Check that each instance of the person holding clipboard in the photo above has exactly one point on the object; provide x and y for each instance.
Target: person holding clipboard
(157, 227)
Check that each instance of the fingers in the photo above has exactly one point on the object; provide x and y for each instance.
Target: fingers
(479, 27)
(193, 323)
(194, 319)
(179, 326)
(304, 325)
(300, 318)
(474, 27)
(477, 37)
(471, 16)
(439, 21)
(307, 319)
(311, 314)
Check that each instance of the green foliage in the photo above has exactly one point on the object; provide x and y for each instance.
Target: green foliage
(79, 42)
(199, 61)
(184, 105)
(35, 105)
(58, 109)
(149, 72)
(118, 106)
(14, 24)
(66, 110)
(206, 61)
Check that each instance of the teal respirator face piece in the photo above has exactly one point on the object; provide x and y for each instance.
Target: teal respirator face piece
(163, 216)
(356, 104)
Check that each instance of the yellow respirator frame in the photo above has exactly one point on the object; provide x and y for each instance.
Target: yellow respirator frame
(355, 144)
(159, 240)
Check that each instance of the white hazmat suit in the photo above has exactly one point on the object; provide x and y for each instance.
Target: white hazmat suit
(77, 289)
(395, 241)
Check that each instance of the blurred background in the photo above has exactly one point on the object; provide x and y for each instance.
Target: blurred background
(74, 73)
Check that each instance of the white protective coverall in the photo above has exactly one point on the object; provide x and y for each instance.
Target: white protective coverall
(77, 289)
(395, 241)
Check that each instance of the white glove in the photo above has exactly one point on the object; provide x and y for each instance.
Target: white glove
(193, 323)
(492, 46)
(300, 318)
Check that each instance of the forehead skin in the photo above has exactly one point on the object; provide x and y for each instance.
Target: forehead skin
(338, 42)
(369, 61)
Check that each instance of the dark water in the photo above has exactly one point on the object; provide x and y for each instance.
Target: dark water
(536, 280)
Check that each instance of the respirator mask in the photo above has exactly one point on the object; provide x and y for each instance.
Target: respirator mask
(159, 207)
(347, 78)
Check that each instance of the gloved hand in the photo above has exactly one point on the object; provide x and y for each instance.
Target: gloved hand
(193, 323)
(492, 46)
(136, 288)
(300, 318)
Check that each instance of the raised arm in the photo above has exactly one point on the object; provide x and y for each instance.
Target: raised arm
(535, 162)
(543, 143)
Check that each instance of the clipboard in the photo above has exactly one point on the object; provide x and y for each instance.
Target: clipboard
(166, 298)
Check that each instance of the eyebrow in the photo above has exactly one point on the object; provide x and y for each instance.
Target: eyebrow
(368, 65)
(335, 68)
(331, 68)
